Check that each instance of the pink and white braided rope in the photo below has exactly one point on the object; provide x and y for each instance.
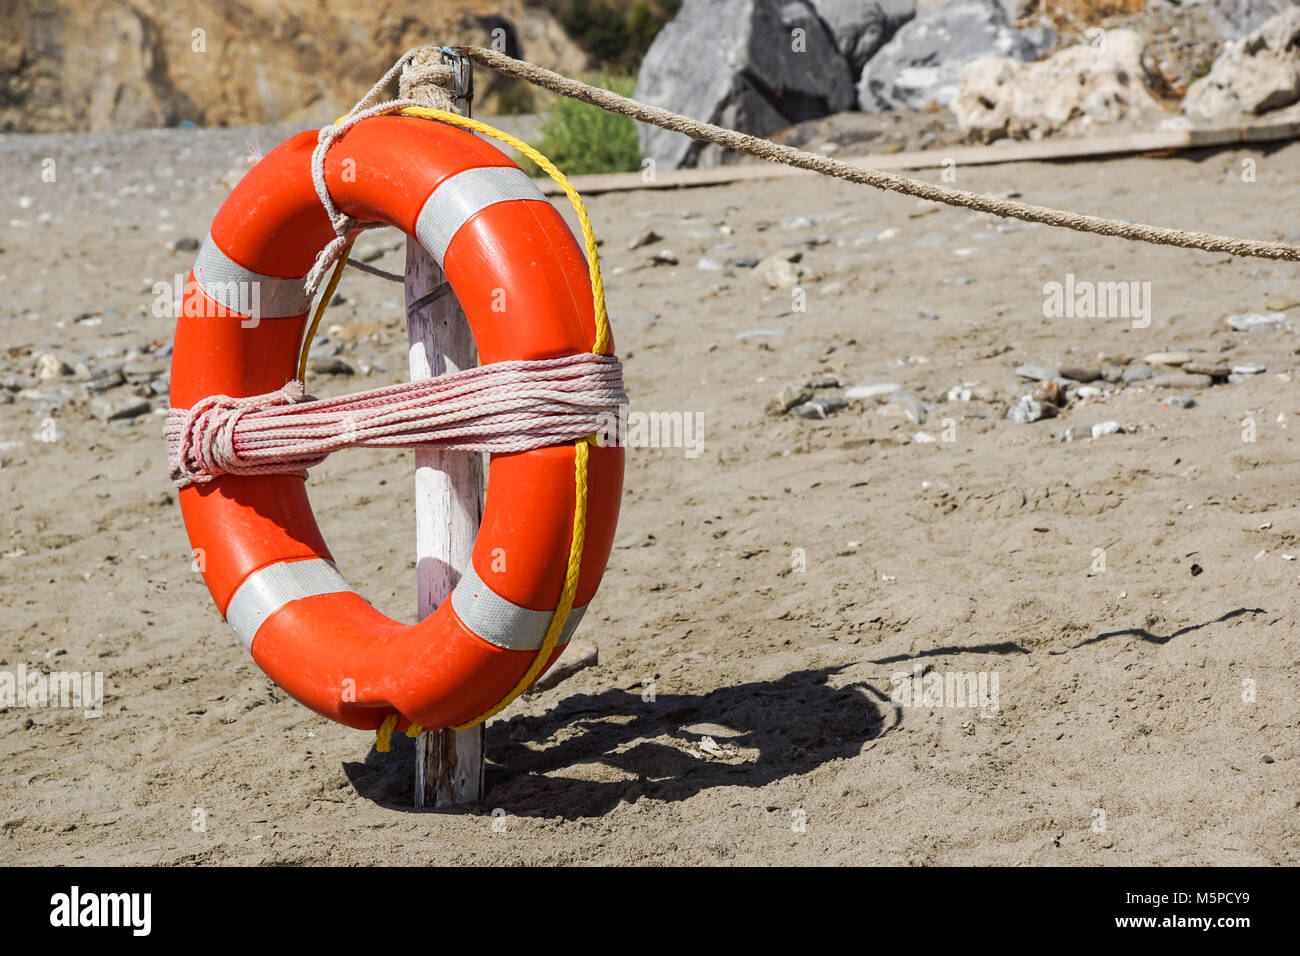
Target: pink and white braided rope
(503, 407)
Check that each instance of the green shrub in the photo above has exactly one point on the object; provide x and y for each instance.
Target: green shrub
(580, 138)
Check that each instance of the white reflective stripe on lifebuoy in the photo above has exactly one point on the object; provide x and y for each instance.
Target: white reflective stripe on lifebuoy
(459, 197)
(226, 282)
(268, 589)
(503, 622)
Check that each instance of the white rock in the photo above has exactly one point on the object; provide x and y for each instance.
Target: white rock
(861, 393)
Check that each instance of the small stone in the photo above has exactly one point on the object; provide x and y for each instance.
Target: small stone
(1038, 373)
(49, 366)
(824, 381)
(779, 272)
(1077, 433)
(120, 409)
(788, 398)
(1168, 358)
(861, 393)
(143, 370)
(1137, 373)
(647, 238)
(104, 382)
(664, 257)
(1248, 369)
(927, 314)
(1181, 401)
(1281, 303)
(1182, 380)
(1112, 371)
(1259, 322)
(709, 265)
(746, 262)
(906, 404)
(1052, 393)
(1106, 428)
(798, 222)
(331, 365)
(185, 244)
(1087, 391)
(1027, 410)
(1079, 373)
(1217, 372)
(811, 410)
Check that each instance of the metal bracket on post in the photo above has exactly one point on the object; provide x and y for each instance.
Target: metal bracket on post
(448, 485)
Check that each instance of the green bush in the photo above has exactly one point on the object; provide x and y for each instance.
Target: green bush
(580, 138)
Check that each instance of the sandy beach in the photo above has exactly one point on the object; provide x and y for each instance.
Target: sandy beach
(1126, 600)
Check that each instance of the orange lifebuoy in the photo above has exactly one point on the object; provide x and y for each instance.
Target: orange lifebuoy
(266, 564)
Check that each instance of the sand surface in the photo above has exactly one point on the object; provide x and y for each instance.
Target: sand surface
(764, 593)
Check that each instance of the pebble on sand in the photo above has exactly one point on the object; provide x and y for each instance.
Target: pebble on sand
(1259, 322)
(1027, 410)
(120, 408)
(865, 392)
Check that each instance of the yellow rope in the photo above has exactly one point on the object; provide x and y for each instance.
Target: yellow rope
(581, 451)
(384, 735)
(588, 233)
(321, 306)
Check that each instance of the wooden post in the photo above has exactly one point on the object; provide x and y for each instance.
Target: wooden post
(448, 488)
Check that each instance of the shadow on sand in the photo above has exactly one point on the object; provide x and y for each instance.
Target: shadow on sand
(781, 728)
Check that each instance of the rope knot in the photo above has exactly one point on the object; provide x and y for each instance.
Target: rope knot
(428, 79)
(201, 440)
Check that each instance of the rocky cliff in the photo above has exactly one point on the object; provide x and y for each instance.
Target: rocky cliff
(87, 65)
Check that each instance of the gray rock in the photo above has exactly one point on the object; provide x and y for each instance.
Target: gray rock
(1235, 18)
(788, 398)
(861, 27)
(1111, 371)
(1182, 401)
(1038, 373)
(1027, 410)
(923, 62)
(1107, 428)
(734, 63)
(185, 244)
(1137, 373)
(119, 408)
(1248, 370)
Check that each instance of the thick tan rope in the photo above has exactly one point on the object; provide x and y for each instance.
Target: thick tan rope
(765, 149)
